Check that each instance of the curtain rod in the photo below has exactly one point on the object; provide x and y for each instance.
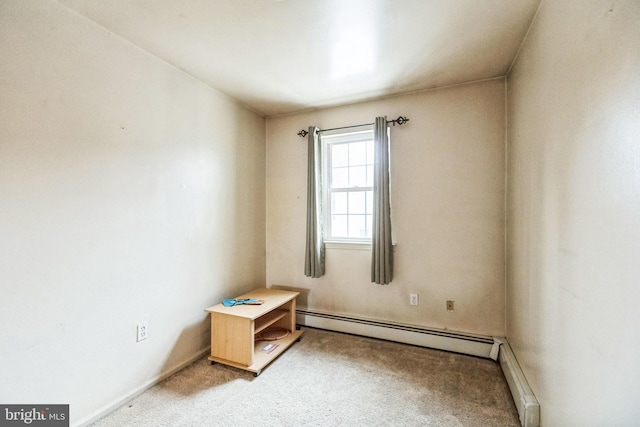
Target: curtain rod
(399, 121)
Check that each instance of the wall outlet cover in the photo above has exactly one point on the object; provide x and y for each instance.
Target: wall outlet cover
(143, 331)
(413, 299)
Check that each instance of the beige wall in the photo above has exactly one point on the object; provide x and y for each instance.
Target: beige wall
(128, 191)
(574, 212)
(447, 172)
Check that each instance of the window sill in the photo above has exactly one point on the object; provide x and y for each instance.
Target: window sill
(349, 246)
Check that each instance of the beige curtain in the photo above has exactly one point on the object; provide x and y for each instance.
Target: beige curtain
(382, 249)
(314, 255)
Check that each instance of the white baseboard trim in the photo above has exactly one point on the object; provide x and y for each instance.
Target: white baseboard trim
(526, 402)
(110, 407)
(473, 345)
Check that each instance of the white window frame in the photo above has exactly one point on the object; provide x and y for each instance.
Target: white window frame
(361, 133)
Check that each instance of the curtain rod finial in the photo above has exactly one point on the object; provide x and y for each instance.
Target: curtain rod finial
(303, 133)
(400, 120)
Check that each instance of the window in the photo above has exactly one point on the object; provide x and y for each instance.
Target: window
(348, 185)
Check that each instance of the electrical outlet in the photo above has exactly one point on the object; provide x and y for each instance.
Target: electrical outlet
(143, 331)
(413, 299)
(450, 305)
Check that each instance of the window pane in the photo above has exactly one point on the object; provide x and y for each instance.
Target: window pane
(369, 202)
(369, 152)
(339, 225)
(339, 177)
(339, 203)
(357, 226)
(339, 154)
(358, 176)
(348, 184)
(357, 202)
(357, 153)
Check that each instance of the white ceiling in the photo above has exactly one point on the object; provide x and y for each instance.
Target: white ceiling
(278, 57)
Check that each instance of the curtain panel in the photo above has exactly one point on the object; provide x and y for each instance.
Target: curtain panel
(381, 246)
(314, 254)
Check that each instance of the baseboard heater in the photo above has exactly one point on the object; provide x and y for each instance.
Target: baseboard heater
(473, 345)
(526, 402)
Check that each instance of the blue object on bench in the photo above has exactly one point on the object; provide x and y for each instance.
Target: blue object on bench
(233, 301)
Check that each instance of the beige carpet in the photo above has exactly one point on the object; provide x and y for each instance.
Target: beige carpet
(331, 379)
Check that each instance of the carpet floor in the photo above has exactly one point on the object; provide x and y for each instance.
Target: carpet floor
(331, 379)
